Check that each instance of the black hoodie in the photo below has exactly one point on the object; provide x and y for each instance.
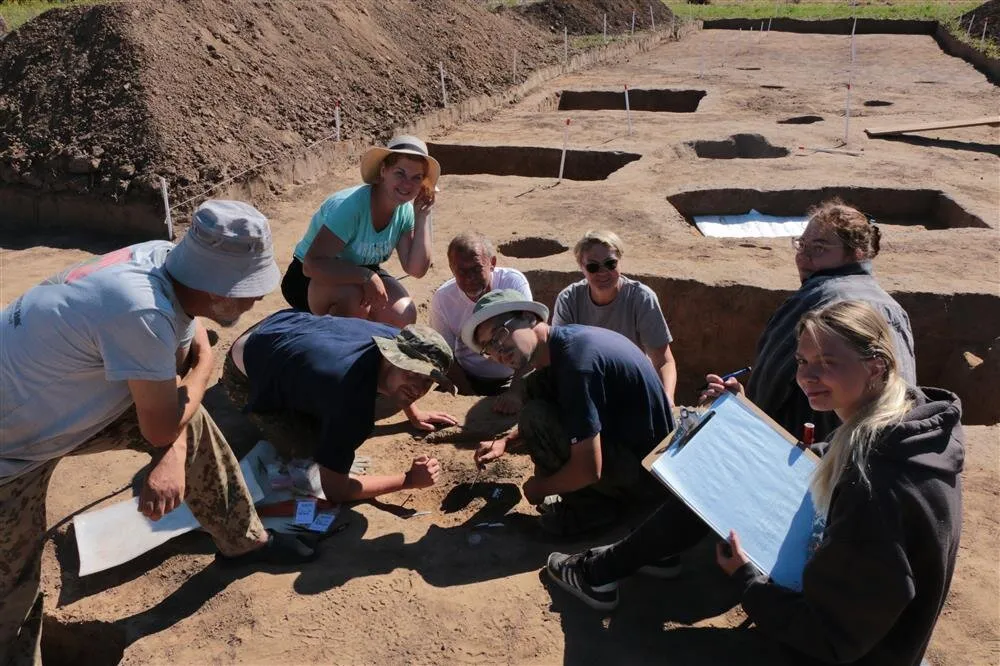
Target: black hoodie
(876, 584)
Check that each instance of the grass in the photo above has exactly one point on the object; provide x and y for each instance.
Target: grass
(882, 9)
(19, 12)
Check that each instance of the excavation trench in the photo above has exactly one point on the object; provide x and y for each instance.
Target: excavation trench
(930, 209)
(532, 247)
(527, 161)
(672, 101)
(737, 146)
(715, 329)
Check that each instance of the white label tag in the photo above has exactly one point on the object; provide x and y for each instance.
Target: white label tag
(305, 511)
(322, 522)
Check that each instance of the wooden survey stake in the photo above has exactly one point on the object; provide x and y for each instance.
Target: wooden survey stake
(943, 124)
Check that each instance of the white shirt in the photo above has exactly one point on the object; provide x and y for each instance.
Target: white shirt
(449, 310)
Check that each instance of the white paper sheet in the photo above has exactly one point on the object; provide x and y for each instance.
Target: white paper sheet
(739, 473)
(119, 533)
(750, 225)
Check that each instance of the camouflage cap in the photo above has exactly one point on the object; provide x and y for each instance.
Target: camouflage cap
(420, 349)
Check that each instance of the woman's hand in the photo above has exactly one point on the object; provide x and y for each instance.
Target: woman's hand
(716, 387)
(374, 294)
(424, 202)
(730, 555)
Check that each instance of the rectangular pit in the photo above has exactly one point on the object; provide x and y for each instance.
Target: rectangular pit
(528, 161)
(931, 209)
(715, 329)
(639, 99)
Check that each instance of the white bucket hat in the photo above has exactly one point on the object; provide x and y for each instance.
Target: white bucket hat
(226, 252)
(404, 144)
(493, 304)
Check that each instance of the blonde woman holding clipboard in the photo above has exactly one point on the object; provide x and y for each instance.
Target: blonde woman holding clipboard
(890, 488)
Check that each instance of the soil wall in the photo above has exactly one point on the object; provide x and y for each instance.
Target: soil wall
(715, 329)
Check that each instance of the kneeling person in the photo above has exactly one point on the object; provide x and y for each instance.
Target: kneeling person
(594, 408)
(330, 370)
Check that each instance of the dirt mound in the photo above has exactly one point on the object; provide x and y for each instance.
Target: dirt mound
(987, 14)
(105, 99)
(586, 17)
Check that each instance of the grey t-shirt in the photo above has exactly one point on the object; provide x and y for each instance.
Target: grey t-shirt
(71, 343)
(635, 312)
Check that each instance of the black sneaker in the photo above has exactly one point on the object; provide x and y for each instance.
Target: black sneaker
(567, 572)
(668, 567)
(280, 549)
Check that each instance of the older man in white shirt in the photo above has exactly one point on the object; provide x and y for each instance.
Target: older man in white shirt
(473, 262)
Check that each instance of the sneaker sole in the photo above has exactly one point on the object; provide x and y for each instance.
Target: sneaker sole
(593, 603)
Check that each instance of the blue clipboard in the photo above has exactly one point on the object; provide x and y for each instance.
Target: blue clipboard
(739, 470)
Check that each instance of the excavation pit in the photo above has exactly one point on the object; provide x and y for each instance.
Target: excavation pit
(528, 161)
(801, 120)
(877, 102)
(716, 328)
(738, 146)
(532, 247)
(929, 209)
(639, 99)
(773, 87)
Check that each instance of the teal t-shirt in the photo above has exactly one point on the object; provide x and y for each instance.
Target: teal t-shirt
(348, 214)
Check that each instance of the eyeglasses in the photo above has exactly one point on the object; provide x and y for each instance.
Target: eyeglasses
(594, 266)
(499, 336)
(812, 249)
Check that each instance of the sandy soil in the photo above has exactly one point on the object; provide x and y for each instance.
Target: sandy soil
(415, 590)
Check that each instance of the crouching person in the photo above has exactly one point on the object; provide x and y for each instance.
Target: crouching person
(594, 408)
(109, 355)
(328, 372)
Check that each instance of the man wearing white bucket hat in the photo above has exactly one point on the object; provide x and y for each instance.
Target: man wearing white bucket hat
(108, 355)
(336, 268)
(594, 408)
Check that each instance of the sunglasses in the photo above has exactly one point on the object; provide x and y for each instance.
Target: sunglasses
(595, 266)
(812, 250)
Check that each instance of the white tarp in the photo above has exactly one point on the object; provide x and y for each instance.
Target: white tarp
(118, 533)
(750, 225)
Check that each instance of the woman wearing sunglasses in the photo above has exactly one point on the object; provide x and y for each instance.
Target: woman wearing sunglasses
(834, 259)
(607, 299)
(888, 484)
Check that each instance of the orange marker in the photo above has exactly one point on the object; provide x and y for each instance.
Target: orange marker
(808, 434)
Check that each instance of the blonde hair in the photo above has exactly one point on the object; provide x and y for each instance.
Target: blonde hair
(608, 239)
(866, 332)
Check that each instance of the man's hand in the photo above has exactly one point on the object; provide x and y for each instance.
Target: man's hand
(490, 451)
(730, 555)
(424, 472)
(428, 420)
(509, 402)
(163, 490)
(532, 492)
(374, 294)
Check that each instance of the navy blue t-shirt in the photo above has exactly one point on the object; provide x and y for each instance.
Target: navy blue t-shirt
(324, 367)
(605, 384)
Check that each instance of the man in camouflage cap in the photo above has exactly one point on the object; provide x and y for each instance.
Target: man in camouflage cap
(321, 377)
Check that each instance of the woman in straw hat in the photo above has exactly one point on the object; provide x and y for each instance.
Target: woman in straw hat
(336, 268)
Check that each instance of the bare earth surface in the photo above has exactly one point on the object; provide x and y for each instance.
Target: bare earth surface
(394, 590)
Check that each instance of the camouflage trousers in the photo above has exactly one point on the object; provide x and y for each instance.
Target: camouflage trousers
(214, 491)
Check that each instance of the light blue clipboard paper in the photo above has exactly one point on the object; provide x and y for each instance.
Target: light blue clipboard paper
(741, 471)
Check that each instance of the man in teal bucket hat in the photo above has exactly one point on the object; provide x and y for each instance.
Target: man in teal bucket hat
(594, 408)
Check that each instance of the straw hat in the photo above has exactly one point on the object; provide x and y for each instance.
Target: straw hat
(403, 144)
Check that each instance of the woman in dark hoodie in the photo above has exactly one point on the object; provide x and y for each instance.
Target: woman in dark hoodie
(834, 259)
(889, 485)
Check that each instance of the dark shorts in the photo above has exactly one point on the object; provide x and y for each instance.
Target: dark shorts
(295, 284)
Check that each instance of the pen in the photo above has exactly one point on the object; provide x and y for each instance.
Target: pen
(731, 375)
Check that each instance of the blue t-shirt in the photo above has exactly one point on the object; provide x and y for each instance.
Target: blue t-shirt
(320, 366)
(605, 384)
(348, 214)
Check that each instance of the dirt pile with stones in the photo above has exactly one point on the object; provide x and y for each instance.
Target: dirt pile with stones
(105, 99)
(585, 17)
